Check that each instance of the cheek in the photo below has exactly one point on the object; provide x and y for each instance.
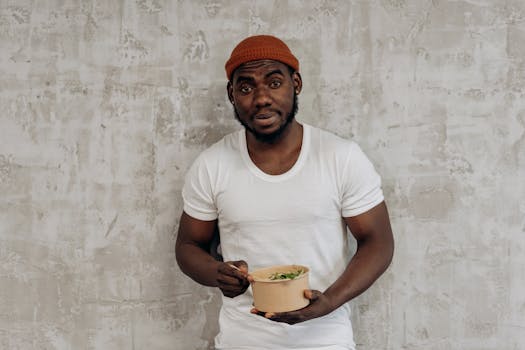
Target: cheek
(242, 103)
(286, 99)
(241, 107)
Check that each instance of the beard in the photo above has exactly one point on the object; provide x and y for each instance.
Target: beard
(274, 136)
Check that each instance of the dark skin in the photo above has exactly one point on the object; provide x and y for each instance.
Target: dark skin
(192, 245)
(262, 93)
(375, 246)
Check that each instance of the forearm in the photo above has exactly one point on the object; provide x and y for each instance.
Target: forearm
(372, 258)
(197, 263)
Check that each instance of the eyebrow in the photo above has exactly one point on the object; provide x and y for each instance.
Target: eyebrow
(275, 71)
(242, 78)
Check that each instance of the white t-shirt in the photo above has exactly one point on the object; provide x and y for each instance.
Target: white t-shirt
(292, 218)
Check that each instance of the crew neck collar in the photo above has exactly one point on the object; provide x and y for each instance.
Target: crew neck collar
(305, 145)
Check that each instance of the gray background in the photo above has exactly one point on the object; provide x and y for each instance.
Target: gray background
(105, 104)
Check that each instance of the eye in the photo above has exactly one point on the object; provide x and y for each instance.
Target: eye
(275, 84)
(245, 89)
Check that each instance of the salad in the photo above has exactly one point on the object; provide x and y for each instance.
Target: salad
(290, 275)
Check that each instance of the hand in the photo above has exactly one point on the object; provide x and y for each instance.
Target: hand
(319, 306)
(232, 278)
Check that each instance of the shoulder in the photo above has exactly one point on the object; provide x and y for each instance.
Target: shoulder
(328, 143)
(228, 145)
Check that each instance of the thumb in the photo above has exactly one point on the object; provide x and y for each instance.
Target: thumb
(312, 294)
(242, 265)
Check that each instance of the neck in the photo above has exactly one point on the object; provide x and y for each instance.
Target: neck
(280, 156)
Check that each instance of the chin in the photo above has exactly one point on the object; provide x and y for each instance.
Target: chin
(271, 136)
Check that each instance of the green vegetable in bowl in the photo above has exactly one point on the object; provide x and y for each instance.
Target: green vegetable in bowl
(286, 275)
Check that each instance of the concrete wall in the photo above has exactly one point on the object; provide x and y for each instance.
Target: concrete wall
(104, 105)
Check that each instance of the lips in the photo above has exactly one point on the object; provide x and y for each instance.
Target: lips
(265, 119)
(266, 114)
(263, 116)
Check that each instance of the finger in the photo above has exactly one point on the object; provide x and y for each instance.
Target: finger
(291, 317)
(257, 312)
(232, 292)
(227, 279)
(269, 315)
(311, 294)
(231, 281)
(231, 269)
(232, 288)
(235, 267)
(243, 274)
(241, 265)
(228, 269)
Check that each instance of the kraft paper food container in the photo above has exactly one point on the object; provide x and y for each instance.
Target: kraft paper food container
(279, 295)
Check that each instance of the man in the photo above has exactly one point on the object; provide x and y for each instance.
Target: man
(281, 192)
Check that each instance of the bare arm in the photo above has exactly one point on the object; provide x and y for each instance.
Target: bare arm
(375, 247)
(191, 249)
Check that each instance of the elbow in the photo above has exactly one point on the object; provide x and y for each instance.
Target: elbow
(177, 254)
(179, 251)
(181, 258)
(389, 251)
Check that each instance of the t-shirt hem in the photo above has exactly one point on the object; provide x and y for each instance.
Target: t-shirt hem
(329, 347)
(362, 209)
(199, 215)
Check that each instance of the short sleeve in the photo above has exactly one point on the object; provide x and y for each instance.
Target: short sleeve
(197, 192)
(361, 184)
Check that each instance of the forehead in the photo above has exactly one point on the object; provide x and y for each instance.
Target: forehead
(253, 68)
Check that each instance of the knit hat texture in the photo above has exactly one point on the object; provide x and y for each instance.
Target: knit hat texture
(260, 47)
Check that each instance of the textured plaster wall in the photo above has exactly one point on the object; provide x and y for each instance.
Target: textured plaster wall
(104, 105)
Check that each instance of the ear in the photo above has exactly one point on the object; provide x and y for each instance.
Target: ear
(229, 89)
(297, 82)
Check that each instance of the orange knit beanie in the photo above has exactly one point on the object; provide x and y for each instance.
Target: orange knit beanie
(260, 47)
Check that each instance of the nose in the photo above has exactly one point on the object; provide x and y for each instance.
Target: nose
(262, 97)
